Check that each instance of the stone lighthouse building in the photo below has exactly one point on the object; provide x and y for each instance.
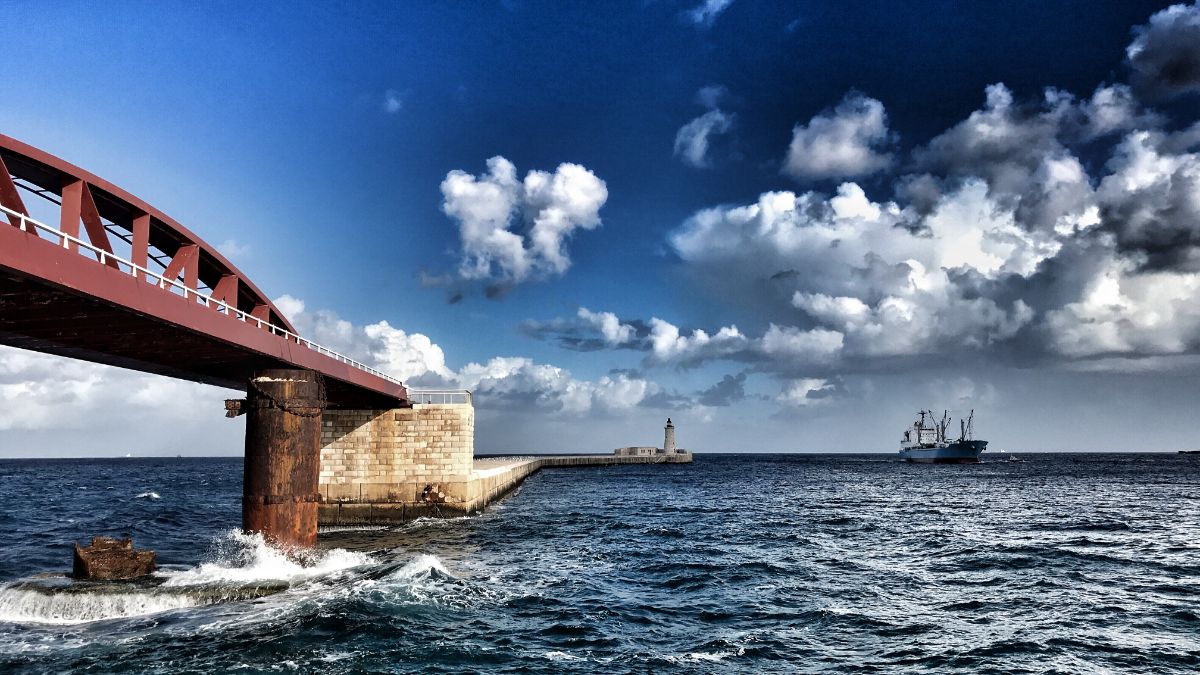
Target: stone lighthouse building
(667, 453)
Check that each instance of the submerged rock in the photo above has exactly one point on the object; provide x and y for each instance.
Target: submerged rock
(111, 559)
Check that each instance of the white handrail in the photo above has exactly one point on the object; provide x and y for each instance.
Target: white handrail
(31, 226)
(444, 396)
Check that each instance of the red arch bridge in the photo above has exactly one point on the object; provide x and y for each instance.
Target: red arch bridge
(115, 281)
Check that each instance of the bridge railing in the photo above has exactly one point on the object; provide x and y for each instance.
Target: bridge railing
(441, 396)
(65, 240)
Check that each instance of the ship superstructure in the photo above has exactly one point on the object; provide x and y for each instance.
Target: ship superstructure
(926, 440)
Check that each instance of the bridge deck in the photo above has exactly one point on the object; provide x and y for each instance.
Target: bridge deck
(57, 301)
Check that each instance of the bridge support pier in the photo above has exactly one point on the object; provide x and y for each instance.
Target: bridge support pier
(283, 456)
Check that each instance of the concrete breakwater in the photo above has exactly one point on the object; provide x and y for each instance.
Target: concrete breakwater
(490, 479)
(386, 466)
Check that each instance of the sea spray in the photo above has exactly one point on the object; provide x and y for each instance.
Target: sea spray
(245, 567)
(24, 605)
(242, 558)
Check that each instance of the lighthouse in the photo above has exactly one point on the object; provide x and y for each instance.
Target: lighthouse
(669, 438)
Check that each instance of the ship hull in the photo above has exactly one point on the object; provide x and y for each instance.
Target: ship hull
(958, 452)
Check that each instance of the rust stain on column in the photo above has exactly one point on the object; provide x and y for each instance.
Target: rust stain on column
(283, 456)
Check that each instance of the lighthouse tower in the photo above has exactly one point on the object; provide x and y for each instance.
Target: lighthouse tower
(669, 438)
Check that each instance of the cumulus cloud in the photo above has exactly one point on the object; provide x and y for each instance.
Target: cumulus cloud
(669, 345)
(500, 382)
(44, 392)
(847, 141)
(666, 344)
(1001, 237)
(805, 392)
(614, 332)
(519, 382)
(1165, 53)
(883, 288)
(1151, 201)
(512, 230)
(406, 356)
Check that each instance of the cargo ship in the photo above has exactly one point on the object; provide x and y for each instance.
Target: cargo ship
(925, 441)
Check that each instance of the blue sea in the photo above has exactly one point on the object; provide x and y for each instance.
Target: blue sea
(1063, 563)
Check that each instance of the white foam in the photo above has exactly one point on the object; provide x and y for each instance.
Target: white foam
(246, 558)
(25, 606)
(148, 495)
(244, 563)
(421, 566)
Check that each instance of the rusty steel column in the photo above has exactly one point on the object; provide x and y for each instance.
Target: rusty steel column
(283, 456)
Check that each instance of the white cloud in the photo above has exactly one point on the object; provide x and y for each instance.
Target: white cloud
(232, 249)
(692, 139)
(804, 392)
(707, 11)
(813, 346)
(405, 355)
(44, 392)
(667, 344)
(842, 143)
(518, 381)
(514, 230)
(290, 307)
(1123, 311)
(502, 381)
(1003, 239)
(887, 289)
(610, 327)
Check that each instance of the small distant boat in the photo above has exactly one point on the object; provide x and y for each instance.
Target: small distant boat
(1189, 452)
(925, 442)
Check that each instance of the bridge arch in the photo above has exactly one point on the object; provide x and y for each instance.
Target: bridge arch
(107, 212)
(119, 282)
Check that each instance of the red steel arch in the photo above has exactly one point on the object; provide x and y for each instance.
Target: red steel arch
(166, 302)
(87, 198)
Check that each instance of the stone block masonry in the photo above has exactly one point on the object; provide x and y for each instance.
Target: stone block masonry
(388, 466)
(418, 457)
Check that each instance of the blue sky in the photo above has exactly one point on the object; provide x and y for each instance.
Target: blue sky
(317, 143)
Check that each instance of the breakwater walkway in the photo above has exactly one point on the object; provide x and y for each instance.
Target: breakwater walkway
(490, 479)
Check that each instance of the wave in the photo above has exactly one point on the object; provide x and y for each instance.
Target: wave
(148, 495)
(246, 567)
(247, 558)
(19, 605)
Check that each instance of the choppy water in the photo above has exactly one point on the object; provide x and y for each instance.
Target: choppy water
(1063, 563)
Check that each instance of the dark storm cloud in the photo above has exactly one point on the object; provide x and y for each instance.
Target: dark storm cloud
(731, 389)
(1165, 53)
(664, 400)
(588, 332)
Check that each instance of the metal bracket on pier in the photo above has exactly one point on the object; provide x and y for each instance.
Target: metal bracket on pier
(235, 407)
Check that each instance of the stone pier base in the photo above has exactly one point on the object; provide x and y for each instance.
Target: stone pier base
(389, 466)
(489, 480)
